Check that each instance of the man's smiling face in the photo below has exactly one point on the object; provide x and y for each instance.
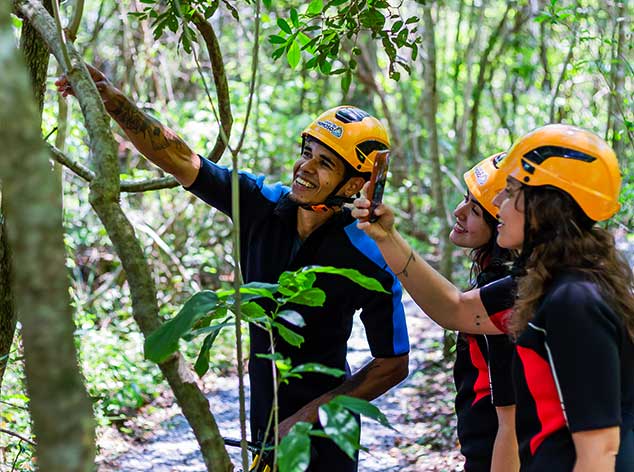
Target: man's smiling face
(316, 173)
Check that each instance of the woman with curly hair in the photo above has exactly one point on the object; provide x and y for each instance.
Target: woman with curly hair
(485, 403)
(573, 315)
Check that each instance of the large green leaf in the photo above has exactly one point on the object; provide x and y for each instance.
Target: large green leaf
(313, 367)
(294, 450)
(293, 54)
(340, 426)
(202, 363)
(362, 407)
(252, 312)
(310, 297)
(164, 341)
(281, 22)
(289, 336)
(250, 291)
(296, 281)
(315, 7)
(352, 274)
(292, 317)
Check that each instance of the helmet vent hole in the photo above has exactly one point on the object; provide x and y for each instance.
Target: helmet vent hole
(350, 115)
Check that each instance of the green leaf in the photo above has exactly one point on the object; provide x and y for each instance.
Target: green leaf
(272, 357)
(351, 274)
(313, 367)
(310, 297)
(278, 52)
(396, 26)
(202, 363)
(293, 55)
(275, 39)
(296, 281)
(325, 67)
(294, 18)
(289, 336)
(346, 80)
(292, 317)
(372, 18)
(252, 312)
(412, 19)
(260, 289)
(362, 407)
(281, 22)
(206, 330)
(164, 341)
(340, 426)
(294, 449)
(315, 7)
(267, 3)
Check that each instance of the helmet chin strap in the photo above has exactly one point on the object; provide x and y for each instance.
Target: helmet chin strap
(330, 203)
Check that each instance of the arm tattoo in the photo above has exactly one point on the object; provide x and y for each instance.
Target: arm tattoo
(135, 121)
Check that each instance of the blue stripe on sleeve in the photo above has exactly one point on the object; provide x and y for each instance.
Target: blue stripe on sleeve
(368, 248)
(272, 193)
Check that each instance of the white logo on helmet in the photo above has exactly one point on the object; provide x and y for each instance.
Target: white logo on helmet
(336, 131)
(480, 175)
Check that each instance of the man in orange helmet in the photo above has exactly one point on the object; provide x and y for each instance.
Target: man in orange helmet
(286, 228)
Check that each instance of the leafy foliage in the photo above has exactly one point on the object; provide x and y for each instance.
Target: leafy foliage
(200, 313)
(329, 31)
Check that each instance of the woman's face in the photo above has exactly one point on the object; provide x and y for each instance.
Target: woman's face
(471, 229)
(510, 201)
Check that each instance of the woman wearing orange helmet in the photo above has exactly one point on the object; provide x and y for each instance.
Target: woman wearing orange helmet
(574, 312)
(485, 403)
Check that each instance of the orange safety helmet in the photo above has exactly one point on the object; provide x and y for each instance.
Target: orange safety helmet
(485, 181)
(571, 159)
(352, 134)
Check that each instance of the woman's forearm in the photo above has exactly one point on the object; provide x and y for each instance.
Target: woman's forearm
(438, 297)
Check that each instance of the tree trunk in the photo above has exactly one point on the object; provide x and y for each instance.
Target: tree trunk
(7, 311)
(36, 55)
(104, 198)
(59, 406)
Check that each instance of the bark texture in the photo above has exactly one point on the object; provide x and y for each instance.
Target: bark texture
(59, 406)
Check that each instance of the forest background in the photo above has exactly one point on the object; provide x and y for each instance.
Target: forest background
(454, 81)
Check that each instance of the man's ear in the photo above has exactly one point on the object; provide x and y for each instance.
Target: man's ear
(353, 186)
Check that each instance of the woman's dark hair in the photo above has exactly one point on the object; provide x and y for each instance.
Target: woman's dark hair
(559, 236)
(490, 261)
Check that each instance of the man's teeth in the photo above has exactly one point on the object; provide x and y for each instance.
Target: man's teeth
(304, 183)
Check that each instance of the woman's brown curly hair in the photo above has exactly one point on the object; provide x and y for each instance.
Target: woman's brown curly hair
(559, 236)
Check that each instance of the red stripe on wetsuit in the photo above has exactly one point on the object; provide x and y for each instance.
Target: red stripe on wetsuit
(481, 385)
(500, 319)
(541, 384)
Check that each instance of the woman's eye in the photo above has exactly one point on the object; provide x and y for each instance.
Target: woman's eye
(466, 197)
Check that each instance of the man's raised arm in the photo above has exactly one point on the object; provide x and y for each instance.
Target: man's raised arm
(157, 142)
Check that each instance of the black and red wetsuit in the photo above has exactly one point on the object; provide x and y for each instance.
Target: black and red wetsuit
(573, 371)
(482, 374)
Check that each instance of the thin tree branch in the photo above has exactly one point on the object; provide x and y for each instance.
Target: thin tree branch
(19, 436)
(62, 36)
(158, 183)
(129, 186)
(562, 76)
(79, 169)
(75, 21)
(220, 80)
